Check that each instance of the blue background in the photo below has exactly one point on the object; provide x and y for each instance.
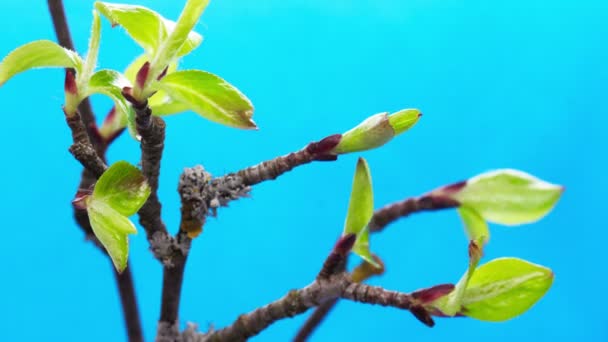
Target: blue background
(520, 83)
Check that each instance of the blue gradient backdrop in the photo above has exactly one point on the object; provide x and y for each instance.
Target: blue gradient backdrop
(520, 83)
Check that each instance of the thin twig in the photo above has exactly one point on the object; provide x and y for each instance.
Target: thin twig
(271, 169)
(381, 218)
(130, 310)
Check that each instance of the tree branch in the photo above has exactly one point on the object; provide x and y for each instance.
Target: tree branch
(390, 213)
(82, 149)
(381, 218)
(327, 288)
(130, 311)
(152, 132)
(271, 169)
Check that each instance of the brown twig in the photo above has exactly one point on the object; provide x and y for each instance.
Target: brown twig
(327, 288)
(152, 132)
(381, 218)
(271, 169)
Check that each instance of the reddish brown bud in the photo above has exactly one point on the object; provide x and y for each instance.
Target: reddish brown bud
(142, 75)
(345, 244)
(453, 188)
(432, 293)
(70, 82)
(127, 93)
(80, 200)
(325, 145)
(422, 315)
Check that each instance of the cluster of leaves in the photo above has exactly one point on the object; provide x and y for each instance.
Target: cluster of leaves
(502, 288)
(498, 290)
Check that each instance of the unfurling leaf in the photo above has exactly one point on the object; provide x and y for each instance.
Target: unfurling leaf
(376, 131)
(160, 103)
(178, 36)
(111, 83)
(91, 59)
(507, 197)
(360, 211)
(209, 96)
(120, 192)
(475, 226)
(505, 288)
(38, 54)
(146, 27)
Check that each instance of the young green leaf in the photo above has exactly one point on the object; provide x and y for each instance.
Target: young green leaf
(122, 187)
(112, 229)
(475, 226)
(209, 96)
(91, 59)
(171, 47)
(360, 211)
(38, 54)
(143, 25)
(192, 42)
(507, 197)
(120, 192)
(162, 104)
(451, 304)
(376, 131)
(111, 83)
(505, 288)
(146, 27)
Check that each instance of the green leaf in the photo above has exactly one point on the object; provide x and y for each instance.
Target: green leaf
(451, 304)
(38, 54)
(146, 27)
(162, 104)
(475, 226)
(123, 188)
(509, 197)
(143, 25)
(192, 42)
(505, 288)
(373, 132)
(171, 47)
(209, 96)
(91, 60)
(111, 83)
(404, 119)
(119, 192)
(360, 211)
(112, 229)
